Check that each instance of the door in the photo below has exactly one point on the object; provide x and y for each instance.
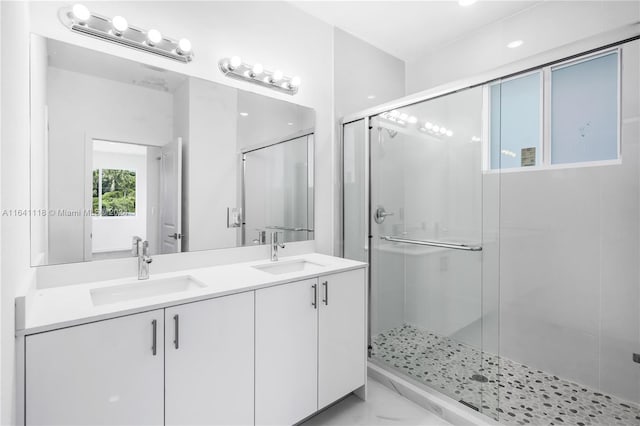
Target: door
(171, 197)
(342, 346)
(209, 370)
(286, 353)
(104, 373)
(426, 222)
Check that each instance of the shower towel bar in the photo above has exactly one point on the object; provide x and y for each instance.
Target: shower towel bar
(286, 228)
(433, 244)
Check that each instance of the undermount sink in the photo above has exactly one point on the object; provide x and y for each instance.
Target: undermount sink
(286, 267)
(140, 290)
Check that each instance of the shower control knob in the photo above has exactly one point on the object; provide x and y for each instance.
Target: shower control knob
(380, 215)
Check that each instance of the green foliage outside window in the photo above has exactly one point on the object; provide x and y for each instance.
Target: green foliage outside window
(118, 191)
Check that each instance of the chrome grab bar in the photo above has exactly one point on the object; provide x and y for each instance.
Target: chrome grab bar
(432, 244)
(286, 228)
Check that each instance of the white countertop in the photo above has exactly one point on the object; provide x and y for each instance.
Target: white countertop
(72, 305)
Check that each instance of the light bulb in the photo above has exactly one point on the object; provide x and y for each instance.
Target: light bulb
(184, 46)
(277, 75)
(443, 130)
(235, 62)
(244, 114)
(449, 133)
(295, 81)
(81, 13)
(436, 129)
(153, 37)
(428, 125)
(412, 120)
(257, 69)
(119, 24)
(404, 116)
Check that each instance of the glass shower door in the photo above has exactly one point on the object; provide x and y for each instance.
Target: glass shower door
(427, 313)
(278, 191)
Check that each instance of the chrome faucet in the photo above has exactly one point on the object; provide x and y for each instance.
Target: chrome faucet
(274, 246)
(141, 249)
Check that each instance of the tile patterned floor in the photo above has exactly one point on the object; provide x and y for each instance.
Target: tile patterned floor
(513, 394)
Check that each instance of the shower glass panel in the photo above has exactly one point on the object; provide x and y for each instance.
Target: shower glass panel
(354, 196)
(278, 191)
(428, 301)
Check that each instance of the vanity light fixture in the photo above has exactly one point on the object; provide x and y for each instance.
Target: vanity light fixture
(235, 68)
(80, 19)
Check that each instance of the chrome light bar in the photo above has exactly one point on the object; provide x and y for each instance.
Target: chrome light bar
(236, 69)
(117, 30)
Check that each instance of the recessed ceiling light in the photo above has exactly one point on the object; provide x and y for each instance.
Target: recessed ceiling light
(244, 114)
(514, 44)
(290, 124)
(371, 97)
(465, 3)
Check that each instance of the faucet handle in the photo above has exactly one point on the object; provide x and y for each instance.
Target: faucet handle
(135, 245)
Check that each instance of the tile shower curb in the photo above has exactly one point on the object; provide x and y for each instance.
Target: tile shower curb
(431, 400)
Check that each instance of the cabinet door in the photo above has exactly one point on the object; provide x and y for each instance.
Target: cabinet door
(342, 330)
(102, 373)
(286, 353)
(209, 370)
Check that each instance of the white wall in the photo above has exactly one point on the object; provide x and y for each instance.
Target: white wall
(114, 233)
(361, 70)
(16, 275)
(96, 109)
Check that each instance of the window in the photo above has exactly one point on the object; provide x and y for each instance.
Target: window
(515, 122)
(114, 192)
(584, 110)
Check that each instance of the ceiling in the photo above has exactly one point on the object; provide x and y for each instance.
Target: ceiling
(411, 29)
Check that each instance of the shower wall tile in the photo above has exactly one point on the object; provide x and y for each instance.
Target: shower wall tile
(549, 271)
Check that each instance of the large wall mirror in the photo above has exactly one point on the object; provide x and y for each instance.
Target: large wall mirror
(122, 149)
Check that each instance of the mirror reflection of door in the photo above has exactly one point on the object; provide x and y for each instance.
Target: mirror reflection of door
(126, 184)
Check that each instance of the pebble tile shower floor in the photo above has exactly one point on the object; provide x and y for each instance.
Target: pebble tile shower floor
(513, 394)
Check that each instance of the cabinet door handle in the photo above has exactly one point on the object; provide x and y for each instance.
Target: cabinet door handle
(326, 293)
(176, 325)
(154, 346)
(314, 303)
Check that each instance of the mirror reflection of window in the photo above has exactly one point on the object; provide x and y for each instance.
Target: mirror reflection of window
(114, 192)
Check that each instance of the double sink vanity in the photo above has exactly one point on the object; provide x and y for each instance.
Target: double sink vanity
(260, 342)
(176, 164)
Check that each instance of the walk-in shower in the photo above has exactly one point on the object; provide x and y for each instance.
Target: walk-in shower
(501, 222)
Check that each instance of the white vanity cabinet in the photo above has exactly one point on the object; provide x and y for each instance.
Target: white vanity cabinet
(286, 353)
(310, 345)
(209, 362)
(341, 335)
(271, 355)
(103, 373)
